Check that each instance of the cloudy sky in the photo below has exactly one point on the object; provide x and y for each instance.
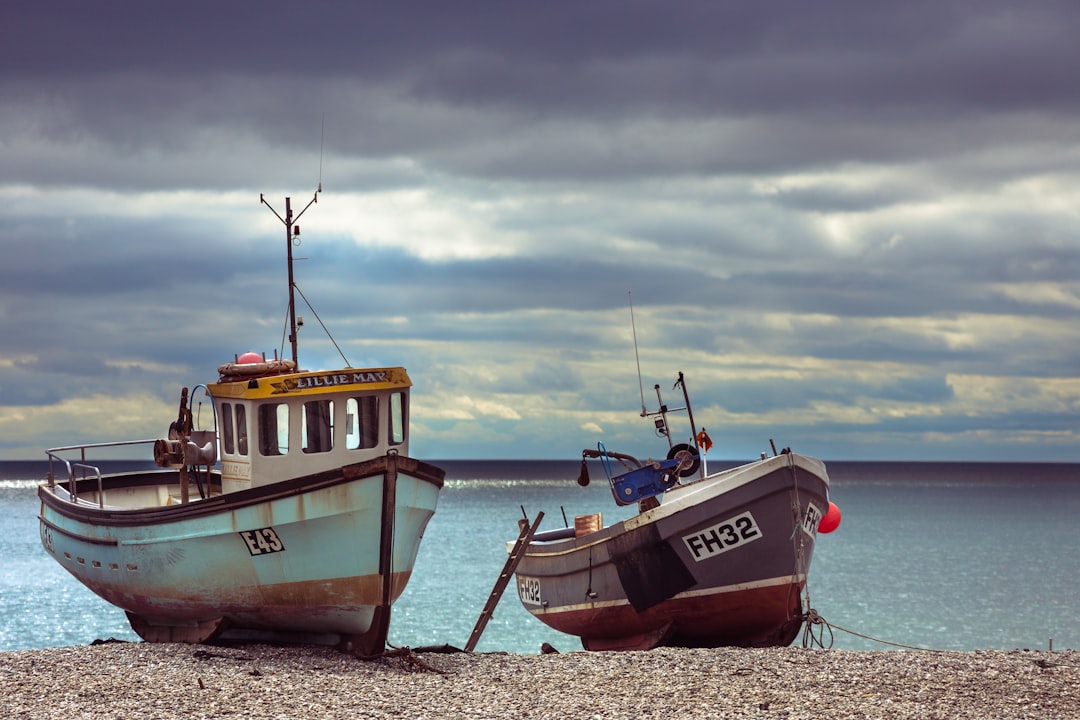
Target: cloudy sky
(853, 226)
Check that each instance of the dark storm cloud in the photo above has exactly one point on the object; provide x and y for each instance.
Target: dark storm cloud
(862, 202)
(561, 87)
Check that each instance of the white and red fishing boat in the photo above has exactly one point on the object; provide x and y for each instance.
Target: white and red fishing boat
(708, 560)
(295, 513)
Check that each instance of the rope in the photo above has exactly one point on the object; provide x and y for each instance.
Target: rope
(816, 639)
(408, 660)
(812, 638)
(798, 547)
(325, 329)
(814, 626)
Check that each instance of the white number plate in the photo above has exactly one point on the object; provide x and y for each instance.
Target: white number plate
(811, 521)
(722, 537)
(262, 541)
(529, 590)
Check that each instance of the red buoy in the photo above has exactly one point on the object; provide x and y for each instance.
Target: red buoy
(249, 358)
(831, 521)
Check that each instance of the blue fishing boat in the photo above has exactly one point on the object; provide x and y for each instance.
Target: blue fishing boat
(291, 511)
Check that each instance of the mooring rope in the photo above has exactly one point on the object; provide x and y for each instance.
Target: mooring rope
(798, 545)
(408, 660)
(816, 639)
(812, 638)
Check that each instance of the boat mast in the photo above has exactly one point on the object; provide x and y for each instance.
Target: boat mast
(292, 283)
(292, 236)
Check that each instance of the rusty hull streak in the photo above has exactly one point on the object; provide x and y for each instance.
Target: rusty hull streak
(307, 598)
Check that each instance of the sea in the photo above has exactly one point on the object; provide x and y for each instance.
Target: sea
(947, 556)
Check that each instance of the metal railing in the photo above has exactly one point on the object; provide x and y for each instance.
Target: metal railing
(81, 464)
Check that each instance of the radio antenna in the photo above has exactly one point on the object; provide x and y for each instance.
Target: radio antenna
(292, 237)
(322, 137)
(637, 358)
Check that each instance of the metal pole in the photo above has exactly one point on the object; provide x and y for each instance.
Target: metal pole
(292, 293)
(693, 427)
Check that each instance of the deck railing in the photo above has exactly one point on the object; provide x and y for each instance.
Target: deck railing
(71, 465)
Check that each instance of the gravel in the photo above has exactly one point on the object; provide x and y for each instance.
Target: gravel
(141, 680)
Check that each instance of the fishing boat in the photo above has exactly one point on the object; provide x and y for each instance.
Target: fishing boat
(290, 509)
(708, 560)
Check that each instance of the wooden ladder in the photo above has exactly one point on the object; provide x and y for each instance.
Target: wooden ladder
(512, 561)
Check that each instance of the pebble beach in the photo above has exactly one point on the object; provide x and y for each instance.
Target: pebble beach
(140, 680)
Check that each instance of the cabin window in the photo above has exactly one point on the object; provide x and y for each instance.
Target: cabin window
(229, 445)
(362, 422)
(274, 429)
(317, 430)
(398, 418)
(241, 430)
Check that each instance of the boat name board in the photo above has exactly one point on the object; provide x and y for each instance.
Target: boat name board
(236, 470)
(723, 536)
(529, 590)
(307, 382)
(262, 541)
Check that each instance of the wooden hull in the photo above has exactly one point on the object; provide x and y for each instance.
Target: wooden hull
(322, 555)
(722, 561)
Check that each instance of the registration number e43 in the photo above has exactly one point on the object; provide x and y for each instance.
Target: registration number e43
(262, 541)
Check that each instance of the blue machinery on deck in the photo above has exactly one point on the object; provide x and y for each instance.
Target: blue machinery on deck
(643, 479)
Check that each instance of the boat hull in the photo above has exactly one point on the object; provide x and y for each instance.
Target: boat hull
(722, 561)
(322, 555)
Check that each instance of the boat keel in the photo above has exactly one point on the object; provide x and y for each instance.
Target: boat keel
(196, 633)
(642, 641)
(372, 643)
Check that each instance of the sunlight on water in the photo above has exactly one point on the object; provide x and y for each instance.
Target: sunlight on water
(42, 605)
(954, 565)
(19, 484)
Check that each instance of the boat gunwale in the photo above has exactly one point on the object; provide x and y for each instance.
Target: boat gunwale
(685, 495)
(715, 485)
(228, 502)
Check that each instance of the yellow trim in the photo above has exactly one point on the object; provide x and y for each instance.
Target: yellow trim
(314, 383)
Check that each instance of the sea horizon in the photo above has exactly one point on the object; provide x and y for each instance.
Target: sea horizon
(24, 471)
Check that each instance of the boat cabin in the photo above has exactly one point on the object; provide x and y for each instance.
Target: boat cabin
(279, 425)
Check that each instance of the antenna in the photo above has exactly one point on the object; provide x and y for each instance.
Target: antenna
(292, 236)
(291, 231)
(637, 358)
(322, 136)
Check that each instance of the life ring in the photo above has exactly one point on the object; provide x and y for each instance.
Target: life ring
(255, 369)
(682, 451)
